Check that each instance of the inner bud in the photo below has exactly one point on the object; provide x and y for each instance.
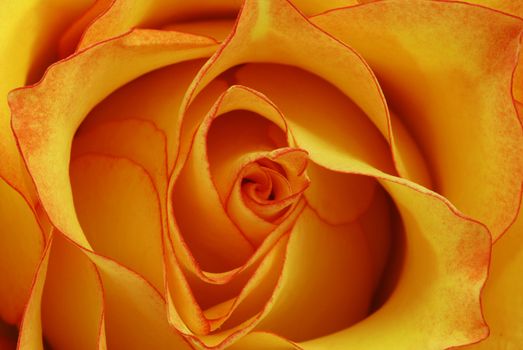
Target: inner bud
(270, 186)
(266, 189)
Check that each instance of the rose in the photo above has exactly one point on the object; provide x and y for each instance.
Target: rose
(122, 188)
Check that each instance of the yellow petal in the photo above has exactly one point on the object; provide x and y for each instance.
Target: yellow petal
(29, 32)
(263, 340)
(237, 316)
(502, 295)
(311, 7)
(72, 300)
(213, 238)
(336, 197)
(327, 281)
(217, 29)
(254, 295)
(65, 308)
(119, 211)
(512, 7)
(446, 70)
(135, 315)
(21, 244)
(515, 8)
(156, 97)
(276, 32)
(183, 310)
(45, 117)
(123, 15)
(30, 337)
(135, 139)
(319, 113)
(435, 303)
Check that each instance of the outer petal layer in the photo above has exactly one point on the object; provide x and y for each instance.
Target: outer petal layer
(21, 244)
(446, 70)
(436, 301)
(46, 116)
(29, 32)
(503, 293)
(119, 209)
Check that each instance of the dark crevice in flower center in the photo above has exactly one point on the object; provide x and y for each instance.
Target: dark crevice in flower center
(270, 188)
(395, 261)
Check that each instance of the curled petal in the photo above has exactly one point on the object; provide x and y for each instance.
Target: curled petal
(337, 197)
(218, 29)
(120, 16)
(135, 139)
(29, 32)
(453, 95)
(155, 97)
(331, 269)
(21, 244)
(30, 336)
(502, 296)
(45, 117)
(258, 340)
(311, 7)
(66, 290)
(134, 310)
(319, 115)
(435, 303)
(277, 32)
(119, 210)
(72, 299)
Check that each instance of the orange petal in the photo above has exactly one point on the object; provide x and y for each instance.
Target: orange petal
(183, 310)
(156, 97)
(257, 217)
(238, 315)
(45, 119)
(119, 210)
(336, 197)
(30, 337)
(225, 152)
(302, 97)
(221, 161)
(21, 244)
(29, 32)
(503, 293)
(258, 340)
(72, 300)
(512, 7)
(453, 60)
(327, 281)
(435, 303)
(214, 240)
(311, 7)
(134, 311)
(254, 295)
(515, 8)
(135, 139)
(276, 32)
(217, 29)
(66, 301)
(123, 15)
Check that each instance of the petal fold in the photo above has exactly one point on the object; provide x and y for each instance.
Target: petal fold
(45, 117)
(502, 297)
(446, 71)
(119, 210)
(21, 244)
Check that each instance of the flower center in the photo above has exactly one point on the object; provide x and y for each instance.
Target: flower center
(271, 185)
